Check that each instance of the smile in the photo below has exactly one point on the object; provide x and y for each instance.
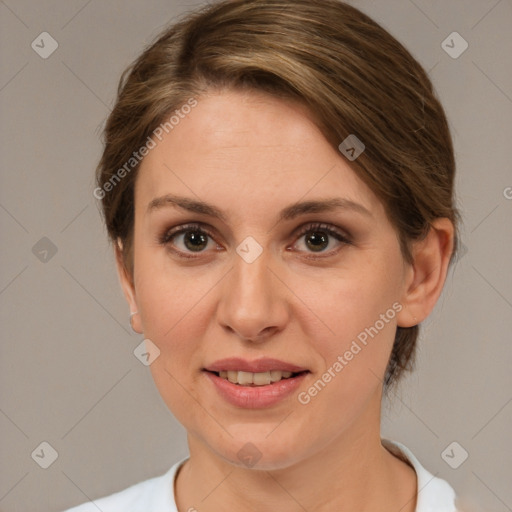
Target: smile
(246, 393)
(255, 379)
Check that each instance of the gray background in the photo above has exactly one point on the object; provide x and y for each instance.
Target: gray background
(68, 375)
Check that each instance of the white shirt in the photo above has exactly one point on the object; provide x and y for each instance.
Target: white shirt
(157, 494)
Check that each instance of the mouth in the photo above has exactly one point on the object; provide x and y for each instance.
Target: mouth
(255, 390)
(249, 379)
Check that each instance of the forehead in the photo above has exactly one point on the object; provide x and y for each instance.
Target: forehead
(252, 147)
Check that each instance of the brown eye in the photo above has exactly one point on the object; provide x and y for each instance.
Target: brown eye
(195, 240)
(190, 238)
(317, 240)
(317, 237)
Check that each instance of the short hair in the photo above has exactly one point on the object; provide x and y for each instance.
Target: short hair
(353, 76)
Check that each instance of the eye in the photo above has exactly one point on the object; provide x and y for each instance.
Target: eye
(193, 237)
(317, 238)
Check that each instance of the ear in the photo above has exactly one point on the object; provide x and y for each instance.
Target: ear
(128, 287)
(426, 276)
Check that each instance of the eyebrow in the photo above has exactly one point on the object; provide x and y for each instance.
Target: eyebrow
(288, 213)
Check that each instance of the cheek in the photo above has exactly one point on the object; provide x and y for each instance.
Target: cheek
(175, 313)
(360, 312)
(169, 297)
(175, 319)
(353, 359)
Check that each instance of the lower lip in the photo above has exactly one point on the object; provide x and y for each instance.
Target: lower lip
(255, 397)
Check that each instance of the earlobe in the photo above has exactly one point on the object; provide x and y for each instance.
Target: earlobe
(427, 274)
(128, 287)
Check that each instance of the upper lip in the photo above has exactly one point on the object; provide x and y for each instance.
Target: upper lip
(258, 366)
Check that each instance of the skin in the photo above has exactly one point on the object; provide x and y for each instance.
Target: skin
(251, 155)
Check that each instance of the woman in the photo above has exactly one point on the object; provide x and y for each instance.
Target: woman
(277, 182)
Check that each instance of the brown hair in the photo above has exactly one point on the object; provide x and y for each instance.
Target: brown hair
(352, 74)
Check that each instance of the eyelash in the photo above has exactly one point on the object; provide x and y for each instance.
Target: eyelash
(169, 235)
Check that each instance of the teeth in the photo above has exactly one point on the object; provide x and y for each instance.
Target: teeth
(256, 379)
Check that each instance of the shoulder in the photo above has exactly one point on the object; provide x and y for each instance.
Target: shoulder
(152, 495)
(434, 494)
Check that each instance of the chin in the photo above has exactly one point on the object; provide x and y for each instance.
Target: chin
(260, 453)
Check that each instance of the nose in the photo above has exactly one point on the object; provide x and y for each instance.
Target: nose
(253, 302)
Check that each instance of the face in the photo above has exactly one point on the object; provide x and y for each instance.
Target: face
(314, 287)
